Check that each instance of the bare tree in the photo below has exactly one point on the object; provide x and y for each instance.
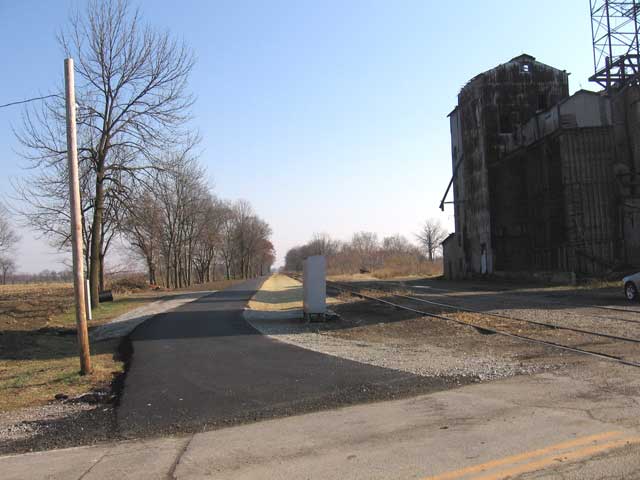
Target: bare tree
(132, 104)
(8, 236)
(142, 226)
(7, 267)
(322, 244)
(366, 247)
(431, 237)
(208, 244)
(250, 232)
(396, 244)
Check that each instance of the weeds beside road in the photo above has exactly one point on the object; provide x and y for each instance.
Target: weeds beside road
(38, 347)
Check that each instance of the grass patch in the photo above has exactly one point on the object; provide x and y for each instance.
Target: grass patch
(54, 369)
(105, 311)
(38, 347)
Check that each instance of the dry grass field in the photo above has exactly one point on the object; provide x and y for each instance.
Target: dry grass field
(38, 349)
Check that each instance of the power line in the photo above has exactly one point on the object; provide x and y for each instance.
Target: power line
(29, 100)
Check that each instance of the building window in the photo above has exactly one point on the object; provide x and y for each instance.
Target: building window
(542, 101)
(506, 121)
(526, 68)
(515, 120)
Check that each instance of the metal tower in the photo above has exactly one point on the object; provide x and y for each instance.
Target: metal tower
(616, 51)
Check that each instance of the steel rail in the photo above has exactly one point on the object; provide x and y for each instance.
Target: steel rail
(582, 351)
(606, 317)
(516, 319)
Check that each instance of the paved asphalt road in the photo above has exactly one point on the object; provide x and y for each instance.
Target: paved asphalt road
(202, 366)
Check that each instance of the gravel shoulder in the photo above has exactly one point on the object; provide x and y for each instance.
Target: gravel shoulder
(379, 335)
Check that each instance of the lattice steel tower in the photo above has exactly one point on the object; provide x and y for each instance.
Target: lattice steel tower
(616, 51)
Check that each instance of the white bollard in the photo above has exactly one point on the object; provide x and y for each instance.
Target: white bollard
(314, 287)
(87, 292)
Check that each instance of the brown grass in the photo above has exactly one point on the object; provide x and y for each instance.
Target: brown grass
(38, 349)
(52, 367)
(406, 270)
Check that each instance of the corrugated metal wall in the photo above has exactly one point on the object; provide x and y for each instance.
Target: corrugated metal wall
(590, 199)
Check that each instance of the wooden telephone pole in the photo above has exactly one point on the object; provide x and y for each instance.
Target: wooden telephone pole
(76, 219)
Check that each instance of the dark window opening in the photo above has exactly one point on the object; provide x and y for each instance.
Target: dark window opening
(515, 119)
(506, 122)
(542, 101)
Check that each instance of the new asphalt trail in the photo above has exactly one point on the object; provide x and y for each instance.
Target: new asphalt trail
(201, 367)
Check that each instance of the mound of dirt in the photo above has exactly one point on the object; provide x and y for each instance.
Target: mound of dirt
(129, 285)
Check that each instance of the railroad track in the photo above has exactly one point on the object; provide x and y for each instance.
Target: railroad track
(360, 292)
(431, 289)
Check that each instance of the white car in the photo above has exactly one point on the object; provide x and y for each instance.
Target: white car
(631, 284)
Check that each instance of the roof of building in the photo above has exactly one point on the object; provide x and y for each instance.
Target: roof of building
(522, 58)
(582, 91)
(448, 239)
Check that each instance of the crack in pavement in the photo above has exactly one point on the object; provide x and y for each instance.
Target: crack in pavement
(171, 475)
(102, 457)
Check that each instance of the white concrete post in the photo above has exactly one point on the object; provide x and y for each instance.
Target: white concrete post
(314, 286)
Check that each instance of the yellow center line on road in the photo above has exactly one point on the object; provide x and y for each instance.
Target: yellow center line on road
(557, 448)
(558, 459)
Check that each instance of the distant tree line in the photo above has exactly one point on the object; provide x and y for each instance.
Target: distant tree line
(44, 276)
(365, 252)
(139, 175)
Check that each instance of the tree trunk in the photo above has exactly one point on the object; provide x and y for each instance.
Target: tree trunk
(102, 288)
(175, 270)
(152, 272)
(96, 237)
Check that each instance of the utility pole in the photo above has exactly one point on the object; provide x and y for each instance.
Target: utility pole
(76, 219)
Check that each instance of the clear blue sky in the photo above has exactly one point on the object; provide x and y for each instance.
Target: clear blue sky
(328, 115)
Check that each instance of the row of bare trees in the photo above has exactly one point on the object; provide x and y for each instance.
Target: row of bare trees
(133, 113)
(366, 252)
(186, 235)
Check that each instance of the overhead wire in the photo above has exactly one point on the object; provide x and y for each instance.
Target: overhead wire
(10, 104)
